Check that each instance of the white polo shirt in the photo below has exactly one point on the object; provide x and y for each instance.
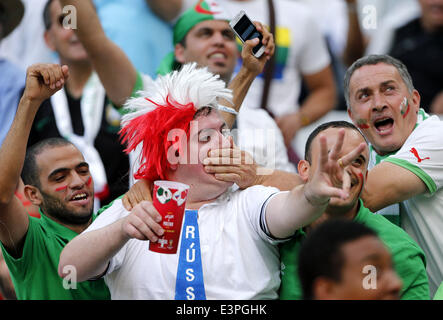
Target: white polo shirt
(239, 260)
(422, 215)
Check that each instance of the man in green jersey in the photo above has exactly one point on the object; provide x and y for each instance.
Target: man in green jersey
(57, 179)
(408, 258)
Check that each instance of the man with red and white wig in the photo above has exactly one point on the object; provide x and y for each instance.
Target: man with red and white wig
(236, 255)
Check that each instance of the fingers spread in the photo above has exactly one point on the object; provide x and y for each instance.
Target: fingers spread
(354, 154)
(338, 145)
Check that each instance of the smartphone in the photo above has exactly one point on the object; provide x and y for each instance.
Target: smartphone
(245, 30)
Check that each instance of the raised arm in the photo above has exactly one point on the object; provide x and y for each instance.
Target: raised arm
(250, 69)
(42, 81)
(116, 72)
(388, 183)
(167, 10)
(287, 212)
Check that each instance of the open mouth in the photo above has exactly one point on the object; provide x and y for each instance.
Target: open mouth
(383, 124)
(217, 55)
(82, 196)
(218, 58)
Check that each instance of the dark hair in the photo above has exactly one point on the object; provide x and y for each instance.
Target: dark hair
(47, 15)
(374, 59)
(320, 253)
(2, 20)
(323, 127)
(30, 171)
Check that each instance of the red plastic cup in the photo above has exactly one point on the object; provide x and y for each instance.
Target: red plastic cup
(169, 199)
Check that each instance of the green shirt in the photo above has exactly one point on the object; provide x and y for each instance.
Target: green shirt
(409, 259)
(439, 293)
(35, 275)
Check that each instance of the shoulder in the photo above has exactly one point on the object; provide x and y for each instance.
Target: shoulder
(255, 118)
(257, 191)
(428, 130)
(108, 214)
(252, 199)
(393, 236)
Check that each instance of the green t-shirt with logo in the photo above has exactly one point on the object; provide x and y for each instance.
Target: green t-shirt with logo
(35, 273)
(409, 259)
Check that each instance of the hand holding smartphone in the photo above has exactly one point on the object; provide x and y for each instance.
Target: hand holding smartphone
(245, 30)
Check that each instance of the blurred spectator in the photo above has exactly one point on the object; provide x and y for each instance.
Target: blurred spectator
(409, 260)
(26, 46)
(419, 45)
(12, 79)
(301, 54)
(331, 17)
(334, 259)
(136, 26)
(122, 21)
(371, 23)
(81, 112)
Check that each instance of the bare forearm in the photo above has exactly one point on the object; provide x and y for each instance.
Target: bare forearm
(13, 149)
(282, 180)
(355, 44)
(167, 10)
(116, 72)
(240, 86)
(101, 244)
(292, 211)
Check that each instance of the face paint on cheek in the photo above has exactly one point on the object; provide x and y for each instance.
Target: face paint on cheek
(362, 124)
(404, 107)
(61, 188)
(88, 183)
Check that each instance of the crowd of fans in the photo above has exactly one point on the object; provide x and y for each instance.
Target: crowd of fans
(90, 91)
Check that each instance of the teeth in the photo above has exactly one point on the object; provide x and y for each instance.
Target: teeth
(217, 55)
(79, 196)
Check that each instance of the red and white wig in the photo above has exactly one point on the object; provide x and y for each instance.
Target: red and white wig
(170, 102)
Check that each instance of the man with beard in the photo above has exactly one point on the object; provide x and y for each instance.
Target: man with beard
(407, 257)
(57, 179)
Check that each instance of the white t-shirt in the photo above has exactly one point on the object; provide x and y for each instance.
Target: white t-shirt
(239, 260)
(258, 134)
(301, 50)
(422, 215)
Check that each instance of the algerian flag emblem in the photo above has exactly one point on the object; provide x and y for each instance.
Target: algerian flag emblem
(163, 195)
